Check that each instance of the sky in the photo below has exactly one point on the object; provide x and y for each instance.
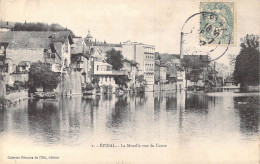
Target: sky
(154, 22)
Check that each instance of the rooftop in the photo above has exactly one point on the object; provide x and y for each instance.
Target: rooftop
(132, 62)
(79, 46)
(32, 39)
(24, 63)
(7, 24)
(167, 57)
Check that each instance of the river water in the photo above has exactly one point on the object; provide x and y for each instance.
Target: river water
(178, 127)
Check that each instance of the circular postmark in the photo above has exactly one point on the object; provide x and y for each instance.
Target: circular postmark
(206, 33)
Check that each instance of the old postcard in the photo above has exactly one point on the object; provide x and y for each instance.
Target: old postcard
(129, 82)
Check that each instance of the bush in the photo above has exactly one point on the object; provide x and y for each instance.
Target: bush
(3, 101)
(40, 75)
(89, 87)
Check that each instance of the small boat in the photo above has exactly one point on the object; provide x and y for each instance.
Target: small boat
(45, 95)
(90, 92)
(120, 92)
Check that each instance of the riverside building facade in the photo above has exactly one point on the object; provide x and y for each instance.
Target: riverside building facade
(143, 54)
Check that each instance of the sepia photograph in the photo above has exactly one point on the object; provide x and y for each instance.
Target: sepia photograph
(129, 82)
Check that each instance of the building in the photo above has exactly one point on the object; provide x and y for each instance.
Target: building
(163, 70)
(160, 72)
(173, 63)
(223, 73)
(104, 47)
(105, 75)
(33, 46)
(131, 67)
(144, 55)
(23, 67)
(6, 26)
(175, 73)
(198, 70)
(80, 59)
(52, 48)
(101, 47)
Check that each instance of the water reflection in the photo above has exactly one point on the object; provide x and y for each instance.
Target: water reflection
(164, 116)
(248, 110)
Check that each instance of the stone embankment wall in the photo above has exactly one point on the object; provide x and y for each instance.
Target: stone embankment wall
(165, 87)
(70, 84)
(17, 96)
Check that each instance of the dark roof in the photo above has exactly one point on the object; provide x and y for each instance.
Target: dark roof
(202, 58)
(6, 24)
(172, 75)
(32, 39)
(132, 62)
(79, 46)
(29, 43)
(60, 36)
(168, 57)
(23, 63)
(161, 64)
(171, 68)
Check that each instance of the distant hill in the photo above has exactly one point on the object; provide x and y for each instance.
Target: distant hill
(39, 27)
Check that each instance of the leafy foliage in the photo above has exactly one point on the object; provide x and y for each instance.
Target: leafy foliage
(121, 80)
(193, 68)
(4, 101)
(194, 74)
(18, 85)
(89, 87)
(247, 62)
(115, 58)
(40, 75)
(39, 27)
(141, 80)
(95, 80)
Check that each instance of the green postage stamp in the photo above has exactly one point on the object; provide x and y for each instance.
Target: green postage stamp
(217, 23)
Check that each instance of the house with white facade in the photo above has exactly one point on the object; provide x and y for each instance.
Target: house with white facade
(105, 75)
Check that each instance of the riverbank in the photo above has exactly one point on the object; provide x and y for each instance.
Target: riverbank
(16, 96)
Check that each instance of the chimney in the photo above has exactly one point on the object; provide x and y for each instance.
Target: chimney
(53, 36)
(181, 46)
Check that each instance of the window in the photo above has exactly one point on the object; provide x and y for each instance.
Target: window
(66, 47)
(97, 68)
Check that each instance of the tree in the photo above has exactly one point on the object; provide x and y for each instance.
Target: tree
(40, 27)
(193, 66)
(88, 87)
(115, 58)
(247, 62)
(141, 80)
(40, 75)
(122, 80)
